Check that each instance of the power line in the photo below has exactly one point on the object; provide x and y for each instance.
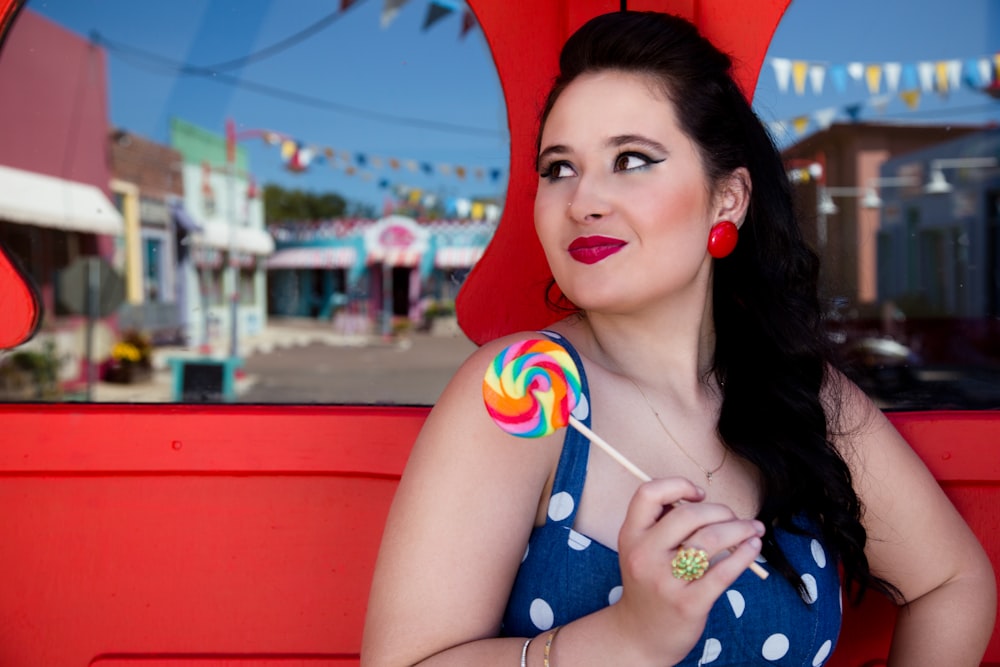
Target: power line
(284, 44)
(162, 65)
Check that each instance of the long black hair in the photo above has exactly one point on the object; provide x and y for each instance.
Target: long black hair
(772, 357)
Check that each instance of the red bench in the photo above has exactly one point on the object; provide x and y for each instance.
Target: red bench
(245, 536)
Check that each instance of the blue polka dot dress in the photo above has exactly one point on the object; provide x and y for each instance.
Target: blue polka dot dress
(565, 575)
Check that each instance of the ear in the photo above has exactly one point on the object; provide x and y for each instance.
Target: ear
(733, 197)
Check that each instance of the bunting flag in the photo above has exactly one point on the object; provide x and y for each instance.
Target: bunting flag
(468, 22)
(390, 9)
(437, 10)
(940, 76)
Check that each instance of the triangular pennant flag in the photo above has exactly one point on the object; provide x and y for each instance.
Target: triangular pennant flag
(838, 74)
(853, 111)
(346, 4)
(800, 123)
(970, 74)
(782, 69)
(495, 174)
(478, 210)
(941, 77)
(816, 75)
(412, 166)
(909, 79)
(892, 73)
(390, 9)
(468, 22)
(925, 72)
(985, 72)
(824, 117)
(856, 70)
(460, 172)
(880, 103)
(954, 69)
(911, 98)
(799, 69)
(437, 10)
(873, 75)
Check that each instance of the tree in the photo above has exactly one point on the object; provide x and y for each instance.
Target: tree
(281, 205)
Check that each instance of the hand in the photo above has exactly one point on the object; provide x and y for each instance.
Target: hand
(663, 516)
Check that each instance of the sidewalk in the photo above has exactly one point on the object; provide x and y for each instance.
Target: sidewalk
(280, 333)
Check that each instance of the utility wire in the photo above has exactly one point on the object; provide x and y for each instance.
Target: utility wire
(284, 44)
(162, 65)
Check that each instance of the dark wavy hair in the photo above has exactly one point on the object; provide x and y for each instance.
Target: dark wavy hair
(771, 352)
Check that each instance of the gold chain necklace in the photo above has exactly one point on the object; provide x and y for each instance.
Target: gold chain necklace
(708, 473)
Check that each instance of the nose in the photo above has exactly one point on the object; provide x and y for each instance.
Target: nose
(589, 201)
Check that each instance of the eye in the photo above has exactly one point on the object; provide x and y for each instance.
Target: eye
(630, 161)
(556, 170)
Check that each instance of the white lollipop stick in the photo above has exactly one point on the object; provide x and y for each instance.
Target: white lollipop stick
(634, 469)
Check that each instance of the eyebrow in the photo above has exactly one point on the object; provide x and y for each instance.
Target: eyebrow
(614, 142)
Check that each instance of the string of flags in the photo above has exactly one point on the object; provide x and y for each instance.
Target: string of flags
(435, 12)
(925, 76)
(885, 82)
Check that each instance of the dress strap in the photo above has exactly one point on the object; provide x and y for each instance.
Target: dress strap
(571, 472)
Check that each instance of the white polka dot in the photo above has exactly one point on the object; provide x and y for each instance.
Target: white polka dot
(737, 602)
(541, 614)
(775, 647)
(713, 649)
(819, 555)
(760, 559)
(812, 591)
(578, 542)
(614, 595)
(527, 548)
(582, 409)
(823, 653)
(560, 506)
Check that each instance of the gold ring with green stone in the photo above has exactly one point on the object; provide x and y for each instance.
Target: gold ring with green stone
(689, 564)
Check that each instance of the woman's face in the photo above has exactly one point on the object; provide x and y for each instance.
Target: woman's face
(623, 208)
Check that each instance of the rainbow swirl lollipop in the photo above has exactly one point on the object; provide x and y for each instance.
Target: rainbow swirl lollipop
(531, 388)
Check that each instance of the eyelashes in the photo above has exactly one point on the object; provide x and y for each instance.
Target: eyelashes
(629, 161)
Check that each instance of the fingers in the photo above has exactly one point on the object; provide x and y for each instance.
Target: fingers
(667, 515)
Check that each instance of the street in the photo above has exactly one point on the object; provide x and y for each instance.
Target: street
(413, 371)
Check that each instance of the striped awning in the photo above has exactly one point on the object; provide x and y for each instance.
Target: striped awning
(313, 258)
(395, 257)
(458, 257)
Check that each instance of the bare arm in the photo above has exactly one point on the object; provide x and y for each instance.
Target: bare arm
(919, 543)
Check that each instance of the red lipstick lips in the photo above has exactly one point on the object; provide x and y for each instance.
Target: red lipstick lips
(592, 249)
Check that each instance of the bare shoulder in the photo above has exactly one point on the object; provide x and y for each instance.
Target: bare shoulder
(462, 514)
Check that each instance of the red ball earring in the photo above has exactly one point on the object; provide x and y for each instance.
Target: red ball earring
(722, 239)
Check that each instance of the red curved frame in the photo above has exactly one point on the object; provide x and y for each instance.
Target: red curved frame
(245, 536)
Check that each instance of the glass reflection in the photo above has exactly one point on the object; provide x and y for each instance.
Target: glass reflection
(891, 144)
(198, 194)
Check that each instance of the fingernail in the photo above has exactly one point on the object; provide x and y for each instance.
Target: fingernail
(754, 542)
(759, 527)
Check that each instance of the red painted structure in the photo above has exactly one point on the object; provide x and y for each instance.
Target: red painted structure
(245, 536)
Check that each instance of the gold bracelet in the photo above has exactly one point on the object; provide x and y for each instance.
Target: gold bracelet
(548, 645)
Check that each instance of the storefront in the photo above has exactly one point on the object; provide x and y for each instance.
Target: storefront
(372, 275)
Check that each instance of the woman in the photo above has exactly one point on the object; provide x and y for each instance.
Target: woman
(706, 366)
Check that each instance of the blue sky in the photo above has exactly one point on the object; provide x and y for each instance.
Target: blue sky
(432, 97)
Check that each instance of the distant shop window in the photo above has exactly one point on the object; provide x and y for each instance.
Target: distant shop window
(153, 256)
